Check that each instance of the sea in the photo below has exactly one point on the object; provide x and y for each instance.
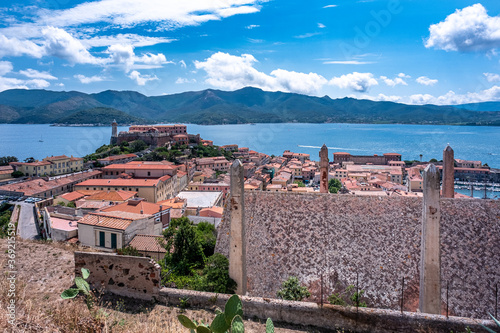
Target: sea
(413, 142)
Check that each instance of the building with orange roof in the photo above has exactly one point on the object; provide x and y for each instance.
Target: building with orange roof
(69, 197)
(153, 190)
(219, 163)
(6, 172)
(113, 230)
(112, 196)
(137, 169)
(49, 166)
(160, 212)
(151, 246)
(341, 157)
(123, 158)
(43, 188)
(213, 211)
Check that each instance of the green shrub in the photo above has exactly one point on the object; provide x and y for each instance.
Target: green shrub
(216, 275)
(348, 297)
(291, 290)
(129, 251)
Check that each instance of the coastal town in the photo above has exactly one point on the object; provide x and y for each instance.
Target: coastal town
(86, 200)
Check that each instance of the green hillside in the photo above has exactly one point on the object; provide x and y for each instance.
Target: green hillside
(247, 105)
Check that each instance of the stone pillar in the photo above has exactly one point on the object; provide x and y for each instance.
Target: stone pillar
(448, 173)
(430, 258)
(323, 169)
(237, 248)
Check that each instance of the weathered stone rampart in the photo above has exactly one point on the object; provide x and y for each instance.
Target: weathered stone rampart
(129, 276)
(330, 317)
(375, 240)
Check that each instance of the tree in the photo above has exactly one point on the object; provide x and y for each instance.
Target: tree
(184, 250)
(5, 160)
(433, 160)
(207, 237)
(299, 183)
(291, 290)
(29, 160)
(216, 275)
(17, 174)
(334, 185)
(138, 145)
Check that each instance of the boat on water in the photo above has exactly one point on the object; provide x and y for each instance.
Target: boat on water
(41, 139)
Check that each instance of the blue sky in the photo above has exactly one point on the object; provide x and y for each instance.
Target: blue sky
(416, 52)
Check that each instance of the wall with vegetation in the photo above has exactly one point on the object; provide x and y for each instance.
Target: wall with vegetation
(370, 241)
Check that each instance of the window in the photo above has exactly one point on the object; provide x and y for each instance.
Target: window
(113, 241)
(102, 238)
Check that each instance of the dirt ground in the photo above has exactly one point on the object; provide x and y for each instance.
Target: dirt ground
(45, 270)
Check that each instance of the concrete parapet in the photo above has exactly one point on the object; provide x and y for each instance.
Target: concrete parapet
(328, 316)
(137, 277)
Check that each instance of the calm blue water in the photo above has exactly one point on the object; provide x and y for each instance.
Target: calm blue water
(469, 142)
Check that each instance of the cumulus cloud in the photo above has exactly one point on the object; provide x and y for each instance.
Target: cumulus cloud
(383, 98)
(235, 72)
(89, 79)
(15, 47)
(394, 82)
(424, 80)
(61, 44)
(359, 82)
(124, 55)
(492, 77)
(181, 80)
(451, 98)
(34, 74)
(141, 80)
(5, 67)
(165, 14)
(467, 29)
(182, 63)
(404, 76)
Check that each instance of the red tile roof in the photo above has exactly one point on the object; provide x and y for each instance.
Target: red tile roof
(113, 220)
(148, 243)
(136, 207)
(120, 182)
(111, 196)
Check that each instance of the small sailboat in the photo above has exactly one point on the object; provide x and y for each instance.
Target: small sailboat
(41, 139)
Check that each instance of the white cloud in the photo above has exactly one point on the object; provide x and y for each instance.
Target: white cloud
(131, 39)
(346, 62)
(123, 55)
(38, 83)
(14, 47)
(167, 14)
(393, 82)
(308, 35)
(382, 97)
(492, 77)
(235, 72)
(182, 63)
(451, 98)
(321, 25)
(181, 80)
(141, 79)
(360, 82)
(404, 76)
(424, 80)
(330, 6)
(89, 79)
(61, 44)
(252, 26)
(5, 67)
(34, 74)
(467, 29)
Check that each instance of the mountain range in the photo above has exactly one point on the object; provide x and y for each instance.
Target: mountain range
(209, 107)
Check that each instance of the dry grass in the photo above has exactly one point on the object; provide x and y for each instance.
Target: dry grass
(45, 270)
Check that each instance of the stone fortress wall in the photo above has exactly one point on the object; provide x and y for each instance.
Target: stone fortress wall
(373, 239)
